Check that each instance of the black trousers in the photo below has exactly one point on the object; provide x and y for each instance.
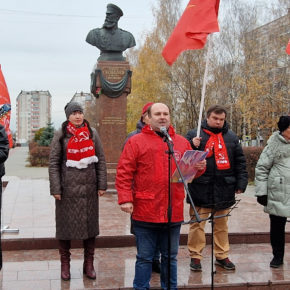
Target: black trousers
(277, 235)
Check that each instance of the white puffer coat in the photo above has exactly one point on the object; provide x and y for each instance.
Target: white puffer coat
(273, 175)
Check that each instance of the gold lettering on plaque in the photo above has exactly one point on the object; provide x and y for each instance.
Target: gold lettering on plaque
(114, 74)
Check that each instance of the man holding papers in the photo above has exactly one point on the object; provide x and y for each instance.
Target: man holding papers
(214, 191)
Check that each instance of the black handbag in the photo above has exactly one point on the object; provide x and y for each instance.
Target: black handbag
(263, 199)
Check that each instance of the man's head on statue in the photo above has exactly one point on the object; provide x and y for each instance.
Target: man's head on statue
(113, 15)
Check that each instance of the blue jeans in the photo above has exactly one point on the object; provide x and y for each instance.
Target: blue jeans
(147, 239)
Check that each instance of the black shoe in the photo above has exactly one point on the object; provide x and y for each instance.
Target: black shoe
(276, 262)
(195, 264)
(156, 266)
(226, 264)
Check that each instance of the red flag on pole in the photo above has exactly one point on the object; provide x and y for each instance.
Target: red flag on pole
(197, 21)
(5, 108)
(288, 47)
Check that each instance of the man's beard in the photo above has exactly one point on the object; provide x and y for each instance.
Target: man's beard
(109, 24)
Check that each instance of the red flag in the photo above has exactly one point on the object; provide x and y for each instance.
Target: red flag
(197, 21)
(288, 47)
(5, 108)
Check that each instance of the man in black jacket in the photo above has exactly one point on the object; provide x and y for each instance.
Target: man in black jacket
(215, 190)
(4, 149)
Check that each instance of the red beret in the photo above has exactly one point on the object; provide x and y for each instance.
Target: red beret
(145, 108)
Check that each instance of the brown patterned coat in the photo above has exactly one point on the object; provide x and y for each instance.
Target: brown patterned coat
(77, 213)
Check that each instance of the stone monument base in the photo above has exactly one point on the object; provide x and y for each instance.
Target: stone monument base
(111, 115)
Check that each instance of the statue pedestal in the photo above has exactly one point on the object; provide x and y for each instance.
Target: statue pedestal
(111, 115)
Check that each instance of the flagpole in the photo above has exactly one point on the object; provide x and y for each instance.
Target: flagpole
(204, 85)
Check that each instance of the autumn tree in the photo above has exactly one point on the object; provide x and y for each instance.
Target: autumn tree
(38, 134)
(265, 75)
(150, 72)
(249, 70)
(178, 86)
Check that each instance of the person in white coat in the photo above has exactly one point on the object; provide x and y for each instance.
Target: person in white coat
(273, 186)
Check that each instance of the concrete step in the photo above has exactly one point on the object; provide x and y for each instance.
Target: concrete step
(125, 241)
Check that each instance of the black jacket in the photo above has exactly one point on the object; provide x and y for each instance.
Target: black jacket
(139, 127)
(4, 149)
(216, 188)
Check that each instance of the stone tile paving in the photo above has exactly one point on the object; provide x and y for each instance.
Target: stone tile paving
(40, 269)
(28, 206)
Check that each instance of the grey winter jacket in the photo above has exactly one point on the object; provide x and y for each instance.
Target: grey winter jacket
(273, 175)
(77, 213)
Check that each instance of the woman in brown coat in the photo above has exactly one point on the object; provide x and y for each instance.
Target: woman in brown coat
(77, 176)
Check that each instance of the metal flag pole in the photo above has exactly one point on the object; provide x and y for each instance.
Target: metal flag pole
(204, 85)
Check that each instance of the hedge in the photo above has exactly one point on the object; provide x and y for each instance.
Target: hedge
(38, 155)
(252, 155)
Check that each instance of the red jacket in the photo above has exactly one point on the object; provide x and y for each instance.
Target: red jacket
(142, 176)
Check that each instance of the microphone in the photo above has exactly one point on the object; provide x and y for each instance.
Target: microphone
(163, 130)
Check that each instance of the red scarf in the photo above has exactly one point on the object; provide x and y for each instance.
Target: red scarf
(80, 150)
(216, 144)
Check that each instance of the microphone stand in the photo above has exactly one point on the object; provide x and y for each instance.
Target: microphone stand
(213, 272)
(211, 220)
(170, 153)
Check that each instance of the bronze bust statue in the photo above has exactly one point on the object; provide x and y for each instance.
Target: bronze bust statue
(110, 39)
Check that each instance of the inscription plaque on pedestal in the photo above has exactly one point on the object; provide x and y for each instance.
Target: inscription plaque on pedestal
(111, 114)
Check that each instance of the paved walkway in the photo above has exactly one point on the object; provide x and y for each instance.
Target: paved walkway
(17, 166)
(35, 270)
(28, 206)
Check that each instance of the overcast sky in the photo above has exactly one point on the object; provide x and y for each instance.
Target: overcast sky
(42, 44)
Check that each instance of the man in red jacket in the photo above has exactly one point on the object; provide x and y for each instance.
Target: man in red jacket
(142, 185)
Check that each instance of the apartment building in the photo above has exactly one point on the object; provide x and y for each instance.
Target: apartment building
(33, 111)
(84, 99)
(267, 49)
